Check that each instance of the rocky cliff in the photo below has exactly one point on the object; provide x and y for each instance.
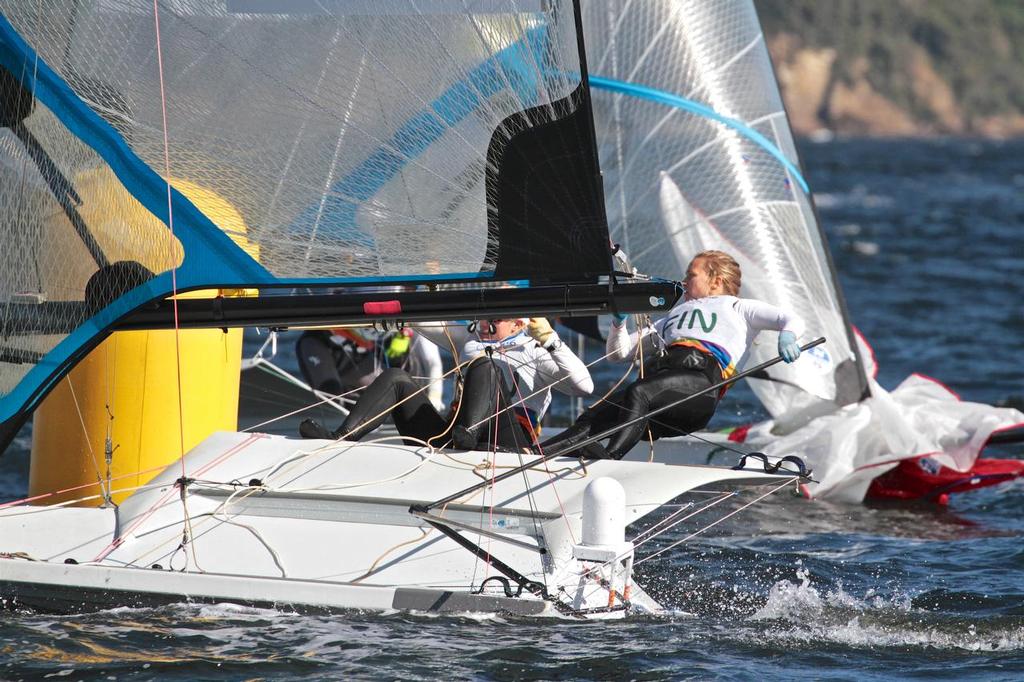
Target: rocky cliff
(899, 67)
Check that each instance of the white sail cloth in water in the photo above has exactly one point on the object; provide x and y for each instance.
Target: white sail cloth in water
(850, 448)
(697, 154)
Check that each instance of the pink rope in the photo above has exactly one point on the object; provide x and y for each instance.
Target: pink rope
(26, 500)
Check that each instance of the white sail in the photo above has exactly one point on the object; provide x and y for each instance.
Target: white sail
(698, 154)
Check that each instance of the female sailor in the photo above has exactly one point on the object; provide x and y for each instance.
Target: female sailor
(342, 360)
(700, 342)
(512, 366)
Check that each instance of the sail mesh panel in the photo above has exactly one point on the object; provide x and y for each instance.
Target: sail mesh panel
(353, 141)
(341, 140)
(678, 182)
(48, 276)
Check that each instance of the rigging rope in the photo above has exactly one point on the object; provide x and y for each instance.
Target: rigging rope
(85, 431)
(329, 400)
(637, 356)
(716, 522)
(117, 541)
(551, 479)
(174, 268)
(723, 497)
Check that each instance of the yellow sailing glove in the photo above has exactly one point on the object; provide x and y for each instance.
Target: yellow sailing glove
(540, 329)
(398, 347)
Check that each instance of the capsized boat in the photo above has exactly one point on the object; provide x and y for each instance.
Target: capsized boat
(697, 154)
(321, 153)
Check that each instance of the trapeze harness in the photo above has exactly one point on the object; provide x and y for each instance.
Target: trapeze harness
(490, 412)
(703, 342)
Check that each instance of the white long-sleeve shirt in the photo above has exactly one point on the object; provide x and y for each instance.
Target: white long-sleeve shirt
(537, 370)
(723, 326)
(427, 358)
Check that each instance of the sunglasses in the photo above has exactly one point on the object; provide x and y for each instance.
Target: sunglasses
(488, 325)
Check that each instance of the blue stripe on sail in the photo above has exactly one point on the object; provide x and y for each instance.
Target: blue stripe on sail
(662, 97)
(44, 373)
(209, 253)
(509, 67)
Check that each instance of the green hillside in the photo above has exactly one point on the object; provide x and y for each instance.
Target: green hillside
(975, 47)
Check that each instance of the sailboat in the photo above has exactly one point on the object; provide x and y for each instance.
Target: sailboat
(697, 153)
(163, 162)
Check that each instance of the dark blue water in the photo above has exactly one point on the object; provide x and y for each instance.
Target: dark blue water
(927, 240)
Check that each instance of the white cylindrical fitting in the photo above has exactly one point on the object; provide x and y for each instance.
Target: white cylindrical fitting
(604, 512)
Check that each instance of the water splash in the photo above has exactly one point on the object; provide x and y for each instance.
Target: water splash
(802, 615)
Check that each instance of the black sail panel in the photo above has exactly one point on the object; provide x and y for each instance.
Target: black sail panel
(549, 216)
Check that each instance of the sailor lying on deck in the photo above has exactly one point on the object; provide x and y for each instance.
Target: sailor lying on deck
(513, 364)
(700, 342)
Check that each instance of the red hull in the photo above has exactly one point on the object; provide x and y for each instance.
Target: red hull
(923, 478)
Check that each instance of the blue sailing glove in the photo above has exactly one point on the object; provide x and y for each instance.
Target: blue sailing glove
(788, 347)
(619, 318)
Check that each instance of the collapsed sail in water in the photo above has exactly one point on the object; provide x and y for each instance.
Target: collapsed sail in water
(698, 154)
(338, 144)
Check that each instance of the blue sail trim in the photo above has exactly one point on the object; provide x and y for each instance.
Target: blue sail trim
(672, 100)
(37, 382)
(509, 67)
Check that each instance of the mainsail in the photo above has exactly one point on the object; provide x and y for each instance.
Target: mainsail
(352, 143)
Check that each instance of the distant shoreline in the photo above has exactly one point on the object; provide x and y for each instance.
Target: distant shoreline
(899, 68)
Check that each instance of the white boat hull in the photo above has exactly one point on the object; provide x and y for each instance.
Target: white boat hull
(321, 525)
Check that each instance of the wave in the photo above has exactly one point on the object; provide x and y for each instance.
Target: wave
(802, 615)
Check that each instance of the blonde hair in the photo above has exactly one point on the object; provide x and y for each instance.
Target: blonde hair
(721, 264)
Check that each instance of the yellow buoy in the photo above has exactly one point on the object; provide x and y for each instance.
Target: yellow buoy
(124, 397)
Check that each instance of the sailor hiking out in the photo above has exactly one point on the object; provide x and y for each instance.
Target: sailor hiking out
(702, 341)
(510, 367)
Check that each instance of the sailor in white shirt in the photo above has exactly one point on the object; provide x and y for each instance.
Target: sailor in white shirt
(700, 342)
(513, 365)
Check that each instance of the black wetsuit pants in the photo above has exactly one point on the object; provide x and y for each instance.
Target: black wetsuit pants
(394, 393)
(488, 391)
(680, 373)
(485, 392)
